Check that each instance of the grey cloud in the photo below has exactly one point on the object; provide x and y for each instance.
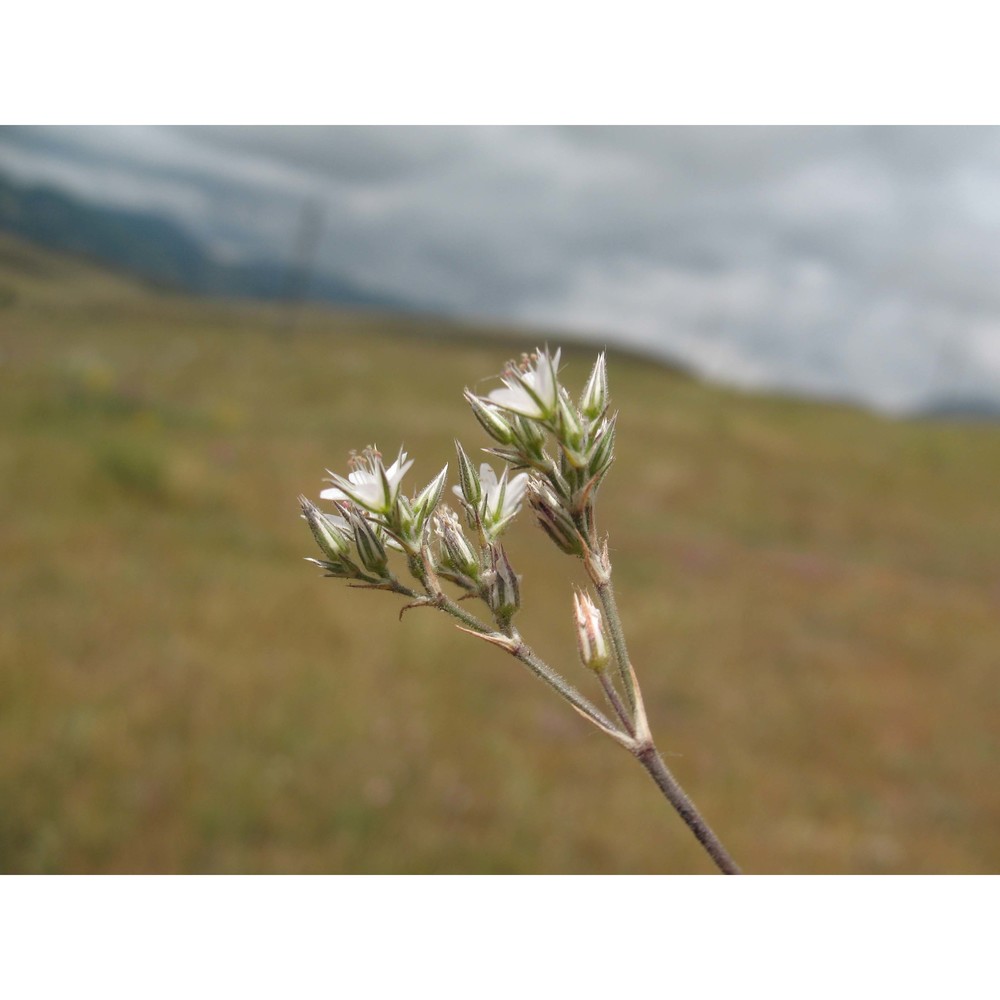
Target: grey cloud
(845, 261)
(363, 155)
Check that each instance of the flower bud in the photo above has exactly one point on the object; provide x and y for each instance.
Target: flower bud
(470, 486)
(490, 417)
(602, 448)
(595, 398)
(590, 637)
(370, 548)
(345, 569)
(429, 497)
(403, 518)
(553, 518)
(331, 534)
(504, 588)
(528, 438)
(458, 557)
(570, 431)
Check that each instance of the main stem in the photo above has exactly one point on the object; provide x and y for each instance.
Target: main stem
(651, 760)
(644, 749)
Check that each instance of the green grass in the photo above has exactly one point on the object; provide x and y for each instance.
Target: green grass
(811, 595)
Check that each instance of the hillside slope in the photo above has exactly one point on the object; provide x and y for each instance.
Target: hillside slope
(811, 595)
(156, 249)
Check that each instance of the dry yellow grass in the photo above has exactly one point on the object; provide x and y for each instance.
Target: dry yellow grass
(811, 595)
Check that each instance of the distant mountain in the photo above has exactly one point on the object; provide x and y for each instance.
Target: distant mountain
(163, 253)
(961, 408)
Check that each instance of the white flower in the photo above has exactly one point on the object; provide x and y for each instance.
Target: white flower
(369, 484)
(501, 498)
(531, 390)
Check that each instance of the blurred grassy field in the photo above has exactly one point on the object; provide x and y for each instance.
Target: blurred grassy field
(811, 594)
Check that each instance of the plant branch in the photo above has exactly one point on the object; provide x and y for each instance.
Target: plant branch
(509, 639)
(584, 706)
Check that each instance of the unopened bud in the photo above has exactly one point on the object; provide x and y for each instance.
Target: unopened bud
(553, 518)
(429, 497)
(590, 637)
(594, 400)
(331, 534)
(528, 437)
(344, 569)
(457, 554)
(489, 416)
(504, 591)
(370, 548)
(469, 484)
(404, 517)
(602, 449)
(570, 430)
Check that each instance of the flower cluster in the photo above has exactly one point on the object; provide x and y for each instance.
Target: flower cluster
(373, 515)
(568, 448)
(556, 453)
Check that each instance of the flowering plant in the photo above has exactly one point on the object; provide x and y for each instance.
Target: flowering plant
(557, 454)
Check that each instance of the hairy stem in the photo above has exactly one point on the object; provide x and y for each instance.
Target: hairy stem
(509, 639)
(438, 599)
(584, 706)
(606, 595)
(651, 760)
(447, 605)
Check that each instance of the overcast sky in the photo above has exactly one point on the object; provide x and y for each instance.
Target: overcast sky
(859, 263)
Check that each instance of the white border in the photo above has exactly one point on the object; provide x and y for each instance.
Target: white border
(813, 937)
(524, 62)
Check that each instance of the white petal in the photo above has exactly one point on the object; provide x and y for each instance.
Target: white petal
(515, 491)
(392, 470)
(488, 478)
(545, 378)
(517, 401)
(395, 472)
